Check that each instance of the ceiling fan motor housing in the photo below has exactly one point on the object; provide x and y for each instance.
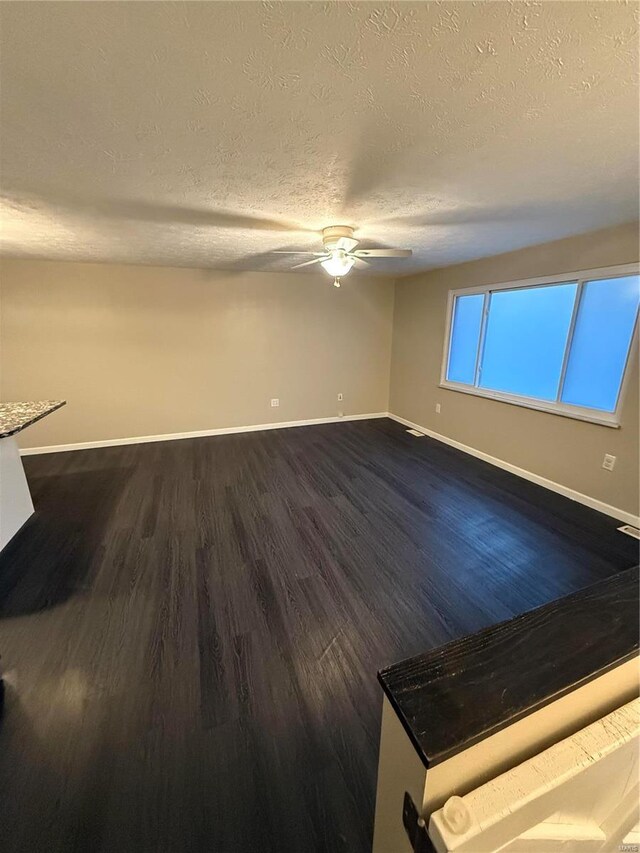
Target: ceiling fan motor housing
(339, 237)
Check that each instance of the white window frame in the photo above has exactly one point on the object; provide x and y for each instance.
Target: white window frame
(610, 419)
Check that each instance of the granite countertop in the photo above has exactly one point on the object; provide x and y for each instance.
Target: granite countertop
(17, 416)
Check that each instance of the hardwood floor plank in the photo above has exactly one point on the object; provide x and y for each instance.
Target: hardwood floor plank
(191, 630)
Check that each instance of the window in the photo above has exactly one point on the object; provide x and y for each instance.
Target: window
(560, 345)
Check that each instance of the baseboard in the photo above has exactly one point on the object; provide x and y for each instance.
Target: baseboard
(176, 436)
(600, 506)
(593, 503)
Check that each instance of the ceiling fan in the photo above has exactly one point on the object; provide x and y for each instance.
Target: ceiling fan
(340, 253)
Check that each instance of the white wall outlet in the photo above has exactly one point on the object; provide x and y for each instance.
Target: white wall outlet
(608, 462)
(275, 402)
(339, 398)
(437, 408)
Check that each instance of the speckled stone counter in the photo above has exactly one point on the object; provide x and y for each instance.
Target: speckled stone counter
(16, 505)
(16, 416)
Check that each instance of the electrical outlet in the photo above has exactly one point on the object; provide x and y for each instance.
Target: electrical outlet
(339, 398)
(608, 462)
(437, 408)
(275, 402)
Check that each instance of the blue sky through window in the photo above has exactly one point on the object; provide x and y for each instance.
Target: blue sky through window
(604, 327)
(525, 340)
(464, 338)
(529, 338)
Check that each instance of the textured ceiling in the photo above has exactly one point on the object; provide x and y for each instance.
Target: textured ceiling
(209, 134)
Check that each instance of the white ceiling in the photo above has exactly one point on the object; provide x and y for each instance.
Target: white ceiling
(209, 134)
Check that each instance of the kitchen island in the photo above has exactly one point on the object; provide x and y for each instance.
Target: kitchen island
(16, 505)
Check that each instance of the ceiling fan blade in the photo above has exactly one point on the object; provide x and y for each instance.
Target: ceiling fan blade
(346, 243)
(308, 263)
(382, 253)
(287, 252)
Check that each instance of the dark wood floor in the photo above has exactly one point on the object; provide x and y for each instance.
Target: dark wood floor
(190, 631)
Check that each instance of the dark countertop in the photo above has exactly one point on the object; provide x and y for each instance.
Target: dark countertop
(16, 416)
(458, 694)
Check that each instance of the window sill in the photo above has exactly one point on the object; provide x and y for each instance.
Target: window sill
(539, 405)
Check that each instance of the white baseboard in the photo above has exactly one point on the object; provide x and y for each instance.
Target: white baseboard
(175, 436)
(593, 503)
(600, 506)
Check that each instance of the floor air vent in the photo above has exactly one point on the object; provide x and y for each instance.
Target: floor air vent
(630, 531)
(416, 433)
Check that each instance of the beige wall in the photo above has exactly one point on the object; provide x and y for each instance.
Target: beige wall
(566, 451)
(143, 350)
(146, 350)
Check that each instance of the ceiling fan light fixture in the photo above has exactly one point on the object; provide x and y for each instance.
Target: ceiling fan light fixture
(340, 253)
(338, 264)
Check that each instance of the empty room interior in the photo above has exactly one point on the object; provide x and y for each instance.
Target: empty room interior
(319, 427)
